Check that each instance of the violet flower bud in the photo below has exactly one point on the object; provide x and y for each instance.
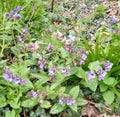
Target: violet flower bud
(79, 16)
(84, 56)
(68, 42)
(49, 47)
(114, 19)
(60, 101)
(16, 80)
(108, 65)
(63, 70)
(101, 74)
(82, 62)
(67, 73)
(68, 102)
(7, 77)
(34, 94)
(23, 81)
(91, 75)
(86, 11)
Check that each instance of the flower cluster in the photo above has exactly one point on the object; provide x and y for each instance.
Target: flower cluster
(8, 76)
(36, 94)
(68, 46)
(23, 35)
(52, 72)
(42, 62)
(108, 65)
(34, 46)
(91, 75)
(49, 47)
(79, 16)
(101, 72)
(14, 14)
(65, 71)
(66, 100)
(83, 58)
(86, 11)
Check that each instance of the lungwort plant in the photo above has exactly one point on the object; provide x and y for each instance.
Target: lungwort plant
(50, 72)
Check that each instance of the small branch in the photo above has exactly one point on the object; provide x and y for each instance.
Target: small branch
(52, 5)
(93, 103)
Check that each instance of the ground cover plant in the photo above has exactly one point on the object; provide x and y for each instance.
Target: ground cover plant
(59, 58)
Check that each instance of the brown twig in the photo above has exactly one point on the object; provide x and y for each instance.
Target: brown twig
(93, 103)
(52, 5)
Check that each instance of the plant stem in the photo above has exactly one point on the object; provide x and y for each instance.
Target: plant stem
(52, 5)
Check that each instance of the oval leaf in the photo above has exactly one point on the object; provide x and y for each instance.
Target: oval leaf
(108, 97)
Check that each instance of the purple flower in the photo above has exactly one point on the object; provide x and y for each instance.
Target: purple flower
(82, 62)
(22, 81)
(34, 94)
(51, 72)
(101, 74)
(8, 72)
(68, 42)
(16, 80)
(91, 75)
(11, 16)
(67, 73)
(98, 23)
(69, 102)
(86, 11)
(114, 19)
(7, 77)
(19, 38)
(108, 65)
(60, 101)
(17, 9)
(41, 65)
(63, 70)
(112, 30)
(84, 56)
(49, 47)
(17, 16)
(79, 16)
(107, 21)
(75, 63)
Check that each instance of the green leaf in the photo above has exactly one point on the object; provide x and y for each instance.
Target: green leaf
(108, 97)
(28, 84)
(57, 82)
(81, 73)
(73, 70)
(10, 113)
(81, 101)
(64, 53)
(108, 81)
(43, 78)
(92, 85)
(57, 108)
(74, 107)
(2, 101)
(46, 104)
(103, 87)
(29, 102)
(74, 91)
(94, 66)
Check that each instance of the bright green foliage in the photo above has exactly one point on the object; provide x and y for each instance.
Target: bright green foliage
(46, 58)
